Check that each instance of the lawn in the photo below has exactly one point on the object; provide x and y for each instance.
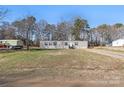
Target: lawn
(58, 65)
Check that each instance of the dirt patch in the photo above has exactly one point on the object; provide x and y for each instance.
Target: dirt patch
(79, 78)
(107, 53)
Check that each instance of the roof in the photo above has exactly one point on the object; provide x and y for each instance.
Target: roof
(122, 39)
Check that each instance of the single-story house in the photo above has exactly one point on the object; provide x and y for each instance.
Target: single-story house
(12, 43)
(63, 44)
(118, 42)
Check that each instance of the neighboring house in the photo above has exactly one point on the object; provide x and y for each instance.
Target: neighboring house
(63, 44)
(12, 43)
(118, 42)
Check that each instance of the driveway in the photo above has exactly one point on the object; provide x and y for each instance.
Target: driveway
(107, 53)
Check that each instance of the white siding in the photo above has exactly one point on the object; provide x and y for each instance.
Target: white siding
(63, 44)
(119, 42)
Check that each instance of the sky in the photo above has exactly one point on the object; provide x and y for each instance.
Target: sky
(94, 14)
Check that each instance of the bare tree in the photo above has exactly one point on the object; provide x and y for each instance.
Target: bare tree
(25, 28)
(3, 13)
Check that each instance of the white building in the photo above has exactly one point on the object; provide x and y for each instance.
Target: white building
(63, 44)
(118, 42)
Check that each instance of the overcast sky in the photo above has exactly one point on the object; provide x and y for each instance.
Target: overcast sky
(95, 15)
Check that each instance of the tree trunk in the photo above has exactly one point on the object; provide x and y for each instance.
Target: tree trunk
(27, 37)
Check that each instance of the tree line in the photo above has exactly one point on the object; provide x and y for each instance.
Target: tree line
(31, 31)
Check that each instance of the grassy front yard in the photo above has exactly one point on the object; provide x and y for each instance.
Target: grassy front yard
(55, 64)
(20, 60)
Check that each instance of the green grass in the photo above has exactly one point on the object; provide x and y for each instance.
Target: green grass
(19, 61)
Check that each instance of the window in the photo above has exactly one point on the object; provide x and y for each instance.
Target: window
(66, 43)
(76, 43)
(45, 43)
(50, 43)
(54, 43)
